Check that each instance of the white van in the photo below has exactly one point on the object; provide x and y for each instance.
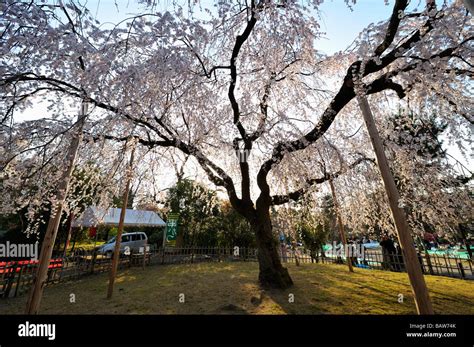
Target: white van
(134, 241)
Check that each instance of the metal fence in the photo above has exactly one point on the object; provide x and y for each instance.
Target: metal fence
(16, 277)
(188, 255)
(438, 265)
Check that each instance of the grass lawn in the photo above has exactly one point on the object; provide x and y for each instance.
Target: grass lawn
(229, 288)
(88, 246)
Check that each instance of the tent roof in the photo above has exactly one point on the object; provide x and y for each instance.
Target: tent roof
(94, 216)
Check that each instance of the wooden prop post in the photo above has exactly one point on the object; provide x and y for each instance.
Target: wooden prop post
(165, 235)
(144, 254)
(340, 226)
(36, 291)
(415, 275)
(68, 237)
(118, 238)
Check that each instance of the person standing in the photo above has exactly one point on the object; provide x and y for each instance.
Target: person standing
(388, 250)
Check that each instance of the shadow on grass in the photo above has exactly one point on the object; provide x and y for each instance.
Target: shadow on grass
(318, 291)
(232, 288)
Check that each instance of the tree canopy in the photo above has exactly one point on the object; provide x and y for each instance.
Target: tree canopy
(239, 87)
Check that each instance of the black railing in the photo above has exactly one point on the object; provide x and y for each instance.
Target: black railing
(431, 264)
(16, 277)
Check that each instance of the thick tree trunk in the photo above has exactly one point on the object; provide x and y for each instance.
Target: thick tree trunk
(272, 273)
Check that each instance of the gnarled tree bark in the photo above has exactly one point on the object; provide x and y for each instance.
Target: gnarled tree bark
(272, 273)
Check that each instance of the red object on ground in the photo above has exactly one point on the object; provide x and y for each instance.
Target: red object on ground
(53, 264)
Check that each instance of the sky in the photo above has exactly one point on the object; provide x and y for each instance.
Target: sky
(341, 23)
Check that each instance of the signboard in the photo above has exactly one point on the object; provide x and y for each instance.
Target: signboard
(172, 226)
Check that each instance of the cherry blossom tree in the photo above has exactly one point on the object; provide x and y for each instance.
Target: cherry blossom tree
(240, 88)
(434, 192)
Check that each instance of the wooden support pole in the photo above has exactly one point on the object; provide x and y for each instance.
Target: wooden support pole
(165, 235)
(415, 275)
(340, 226)
(68, 237)
(144, 253)
(36, 291)
(118, 238)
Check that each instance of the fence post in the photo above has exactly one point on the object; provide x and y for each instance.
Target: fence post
(10, 280)
(448, 267)
(94, 256)
(18, 283)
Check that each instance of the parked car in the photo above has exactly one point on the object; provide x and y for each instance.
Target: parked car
(134, 241)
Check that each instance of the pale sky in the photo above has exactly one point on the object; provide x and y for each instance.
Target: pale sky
(340, 23)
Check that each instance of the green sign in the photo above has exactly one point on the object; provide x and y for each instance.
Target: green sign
(172, 227)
